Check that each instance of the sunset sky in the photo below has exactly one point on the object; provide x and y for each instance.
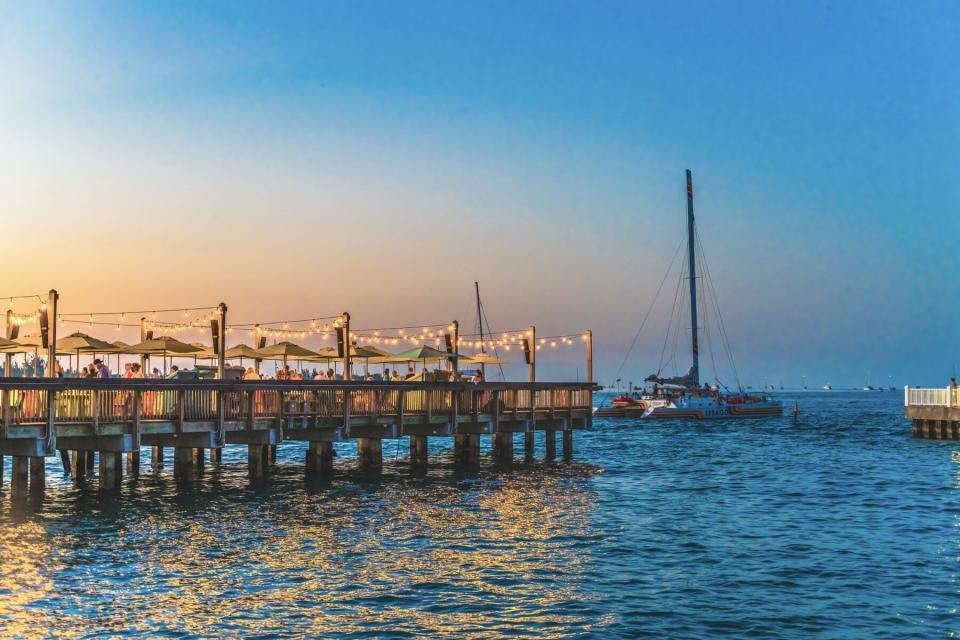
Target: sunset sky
(301, 159)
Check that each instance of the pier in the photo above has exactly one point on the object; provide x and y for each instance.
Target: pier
(187, 423)
(935, 413)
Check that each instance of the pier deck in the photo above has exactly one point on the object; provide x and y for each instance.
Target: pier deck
(935, 412)
(77, 417)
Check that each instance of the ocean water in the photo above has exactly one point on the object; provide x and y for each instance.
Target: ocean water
(838, 526)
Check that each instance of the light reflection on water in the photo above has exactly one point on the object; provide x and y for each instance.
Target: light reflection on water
(445, 555)
(838, 526)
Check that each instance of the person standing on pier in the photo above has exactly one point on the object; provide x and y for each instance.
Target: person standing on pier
(103, 371)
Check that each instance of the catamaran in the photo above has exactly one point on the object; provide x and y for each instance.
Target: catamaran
(683, 397)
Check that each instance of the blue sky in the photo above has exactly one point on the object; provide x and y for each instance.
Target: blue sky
(537, 147)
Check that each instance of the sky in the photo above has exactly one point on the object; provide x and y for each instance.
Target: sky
(303, 159)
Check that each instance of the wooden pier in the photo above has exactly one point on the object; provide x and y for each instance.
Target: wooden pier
(187, 423)
(935, 412)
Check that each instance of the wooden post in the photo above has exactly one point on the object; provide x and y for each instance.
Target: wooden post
(319, 457)
(532, 333)
(216, 456)
(78, 464)
(157, 457)
(38, 470)
(346, 350)
(111, 471)
(455, 338)
(460, 449)
(51, 310)
(473, 449)
(589, 336)
(19, 474)
(324, 457)
(183, 461)
(221, 366)
(347, 400)
(530, 435)
(551, 436)
(256, 343)
(370, 454)
(144, 358)
(1, 470)
(503, 447)
(199, 459)
(222, 344)
(255, 460)
(133, 463)
(418, 450)
(64, 458)
(91, 461)
(567, 444)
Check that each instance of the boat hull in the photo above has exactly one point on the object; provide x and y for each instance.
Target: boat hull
(738, 411)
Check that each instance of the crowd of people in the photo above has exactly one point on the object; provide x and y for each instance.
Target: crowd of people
(133, 370)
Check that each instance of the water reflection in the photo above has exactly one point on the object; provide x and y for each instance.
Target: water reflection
(492, 555)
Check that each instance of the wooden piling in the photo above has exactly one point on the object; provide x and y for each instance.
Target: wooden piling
(133, 463)
(503, 447)
(199, 459)
(216, 456)
(78, 464)
(319, 457)
(19, 474)
(567, 444)
(38, 473)
(551, 436)
(64, 458)
(370, 454)
(272, 448)
(265, 454)
(156, 457)
(1, 470)
(91, 461)
(418, 450)
(111, 470)
(255, 459)
(528, 445)
(183, 461)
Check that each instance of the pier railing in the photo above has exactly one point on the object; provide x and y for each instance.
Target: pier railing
(942, 397)
(29, 401)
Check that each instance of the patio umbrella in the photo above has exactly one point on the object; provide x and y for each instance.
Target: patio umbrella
(242, 351)
(77, 343)
(164, 346)
(25, 344)
(421, 353)
(284, 351)
(483, 358)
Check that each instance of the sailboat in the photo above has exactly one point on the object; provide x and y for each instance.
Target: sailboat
(683, 397)
(866, 384)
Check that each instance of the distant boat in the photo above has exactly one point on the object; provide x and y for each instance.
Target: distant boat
(827, 387)
(866, 384)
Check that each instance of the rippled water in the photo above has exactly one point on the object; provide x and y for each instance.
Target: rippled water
(840, 526)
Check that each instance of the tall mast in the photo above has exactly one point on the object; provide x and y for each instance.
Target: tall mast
(476, 286)
(692, 268)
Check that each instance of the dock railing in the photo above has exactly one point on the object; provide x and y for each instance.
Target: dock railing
(942, 397)
(28, 401)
